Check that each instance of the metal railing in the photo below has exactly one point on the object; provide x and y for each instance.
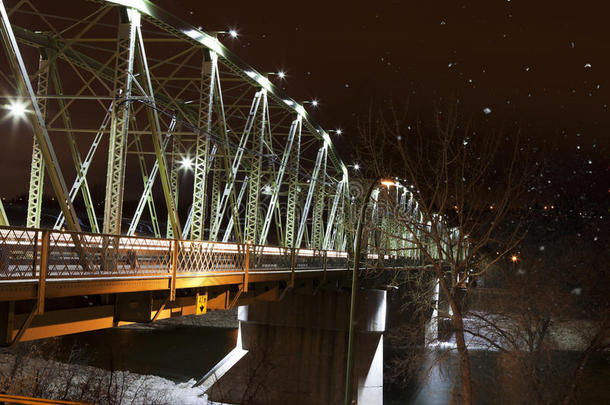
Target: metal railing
(29, 254)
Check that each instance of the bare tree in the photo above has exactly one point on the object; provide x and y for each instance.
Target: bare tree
(461, 180)
(553, 300)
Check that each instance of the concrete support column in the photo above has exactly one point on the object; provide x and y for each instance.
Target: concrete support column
(293, 351)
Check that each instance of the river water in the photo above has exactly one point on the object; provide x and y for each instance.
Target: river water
(184, 352)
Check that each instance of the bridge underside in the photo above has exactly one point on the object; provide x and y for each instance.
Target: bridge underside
(74, 307)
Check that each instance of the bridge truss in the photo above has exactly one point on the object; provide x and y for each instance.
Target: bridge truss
(179, 170)
(159, 104)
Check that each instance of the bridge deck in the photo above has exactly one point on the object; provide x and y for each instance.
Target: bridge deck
(72, 264)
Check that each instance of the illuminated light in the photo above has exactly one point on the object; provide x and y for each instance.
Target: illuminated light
(186, 163)
(314, 103)
(281, 74)
(546, 208)
(289, 102)
(338, 131)
(514, 258)
(267, 190)
(17, 109)
(388, 182)
(491, 207)
(356, 167)
(233, 33)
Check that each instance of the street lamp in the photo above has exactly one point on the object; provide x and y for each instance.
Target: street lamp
(232, 32)
(186, 163)
(16, 109)
(314, 103)
(356, 268)
(281, 74)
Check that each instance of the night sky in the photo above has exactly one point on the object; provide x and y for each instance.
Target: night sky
(541, 66)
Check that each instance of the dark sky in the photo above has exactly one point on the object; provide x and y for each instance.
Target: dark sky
(540, 64)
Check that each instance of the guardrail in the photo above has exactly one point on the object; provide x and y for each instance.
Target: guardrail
(29, 254)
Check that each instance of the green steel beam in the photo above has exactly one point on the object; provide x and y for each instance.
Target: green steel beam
(277, 185)
(317, 227)
(254, 191)
(293, 192)
(310, 193)
(119, 125)
(174, 177)
(147, 196)
(222, 204)
(37, 120)
(37, 166)
(171, 199)
(202, 147)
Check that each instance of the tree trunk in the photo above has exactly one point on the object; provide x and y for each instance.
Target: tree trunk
(464, 359)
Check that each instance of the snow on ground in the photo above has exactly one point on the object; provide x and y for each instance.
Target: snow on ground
(134, 388)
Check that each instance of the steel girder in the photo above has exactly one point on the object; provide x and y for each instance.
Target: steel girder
(119, 125)
(206, 106)
(37, 165)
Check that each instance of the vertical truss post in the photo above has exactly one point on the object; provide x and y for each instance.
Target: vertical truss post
(317, 226)
(174, 176)
(187, 224)
(312, 186)
(37, 167)
(224, 198)
(251, 235)
(202, 146)
(3, 218)
(293, 191)
(336, 242)
(278, 181)
(402, 245)
(37, 120)
(332, 215)
(374, 222)
(215, 193)
(117, 151)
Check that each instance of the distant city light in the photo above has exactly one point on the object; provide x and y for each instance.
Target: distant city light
(356, 167)
(281, 74)
(314, 103)
(233, 33)
(186, 163)
(514, 258)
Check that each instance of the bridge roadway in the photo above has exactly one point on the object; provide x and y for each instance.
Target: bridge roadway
(56, 282)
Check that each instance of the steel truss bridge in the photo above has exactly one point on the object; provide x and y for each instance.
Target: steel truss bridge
(125, 88)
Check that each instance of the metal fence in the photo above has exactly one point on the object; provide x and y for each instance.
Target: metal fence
(66, 255)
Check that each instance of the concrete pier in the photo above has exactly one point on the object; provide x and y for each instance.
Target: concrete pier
(294, 351)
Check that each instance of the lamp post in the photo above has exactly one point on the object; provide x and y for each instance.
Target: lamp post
(355, 270)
